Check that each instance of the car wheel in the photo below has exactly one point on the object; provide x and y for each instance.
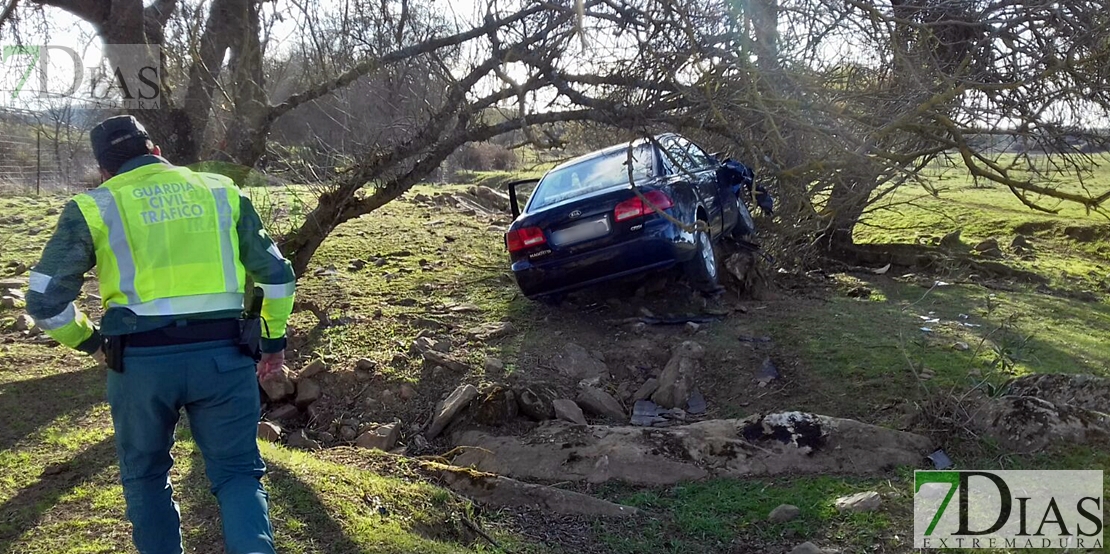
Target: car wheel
(745, 224)
(702, 269)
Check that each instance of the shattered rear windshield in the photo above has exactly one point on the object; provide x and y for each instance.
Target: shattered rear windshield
(592, 175)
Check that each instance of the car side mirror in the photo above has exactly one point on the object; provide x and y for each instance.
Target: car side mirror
(514, 203)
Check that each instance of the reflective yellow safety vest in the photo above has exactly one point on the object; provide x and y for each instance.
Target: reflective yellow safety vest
(166, 242)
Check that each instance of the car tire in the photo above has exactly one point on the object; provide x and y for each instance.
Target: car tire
(702, 269)
(745, 224)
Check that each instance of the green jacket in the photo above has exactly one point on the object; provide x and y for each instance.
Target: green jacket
(70, 253)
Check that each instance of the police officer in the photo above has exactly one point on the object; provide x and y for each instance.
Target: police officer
(173, 249)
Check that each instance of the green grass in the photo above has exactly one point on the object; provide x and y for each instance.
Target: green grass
(59, 489)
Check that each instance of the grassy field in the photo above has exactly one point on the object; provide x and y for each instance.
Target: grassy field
(431, 267)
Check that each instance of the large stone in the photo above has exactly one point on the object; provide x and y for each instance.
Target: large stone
(308, 391)
(676, 383)
(497, 406)
(1029, 424)
(449, 408)
(989, 248)
(438, 358)
(280, 386)
(314, 368)
(576, 362)
(784, 513)
(860, 502)
(426, 343)
(536, 401)
(383, 437)
(791, 443)
(493, 365)
(1081, 391)
(568, 410)
(269, 432)
(601, 403)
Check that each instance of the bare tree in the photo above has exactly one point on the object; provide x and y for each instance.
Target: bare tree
(839, 102)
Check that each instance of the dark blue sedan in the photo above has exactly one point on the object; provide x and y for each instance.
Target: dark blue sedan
(584, 223)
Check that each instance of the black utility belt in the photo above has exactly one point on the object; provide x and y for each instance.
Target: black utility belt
(174, 335)
(246, 333)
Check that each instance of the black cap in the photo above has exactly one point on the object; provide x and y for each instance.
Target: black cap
(118, 139)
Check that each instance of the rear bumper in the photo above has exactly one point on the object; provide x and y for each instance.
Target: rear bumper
(662, 245)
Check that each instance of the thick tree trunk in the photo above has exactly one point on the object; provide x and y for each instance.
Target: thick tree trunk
(847, 201)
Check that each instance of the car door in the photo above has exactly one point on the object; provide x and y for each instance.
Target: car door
(700, 171)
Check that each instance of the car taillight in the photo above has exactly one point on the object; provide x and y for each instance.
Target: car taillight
(634, 207)
(527, 237)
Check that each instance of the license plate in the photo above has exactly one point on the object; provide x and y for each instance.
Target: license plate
(585, 230)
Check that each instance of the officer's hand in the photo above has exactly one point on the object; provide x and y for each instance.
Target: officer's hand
(270, 365)
(99, 357)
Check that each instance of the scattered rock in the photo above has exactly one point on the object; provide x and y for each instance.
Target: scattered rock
(989, 248)
(8, 302)
(280, 386)
(951, 240)
(859, 292)
(464, 308)
(449, 408)
(536, 402)
(789, 443)
(494, 365)
(961, 346)
(366, 364)
(269, 432)
(347, 433)
(496, 407)
(600, 403)
(283, 412)
(23, 322)
(646, 390)
(692, 327)
(860, 502)
(767, 373)
(576, 362)
(52, 211)
(308, 391)
(807, 548)
(406, 392)
(697, 404)
(356, 265)
(441, 359)
(490, 331)
(301, 441)
(568, 410)
(784, 513)
(314, 368)
(1020, 243)
(383, 437)
(677, 380)
(426, 343)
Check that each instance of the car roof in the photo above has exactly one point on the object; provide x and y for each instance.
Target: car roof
(607, 150)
